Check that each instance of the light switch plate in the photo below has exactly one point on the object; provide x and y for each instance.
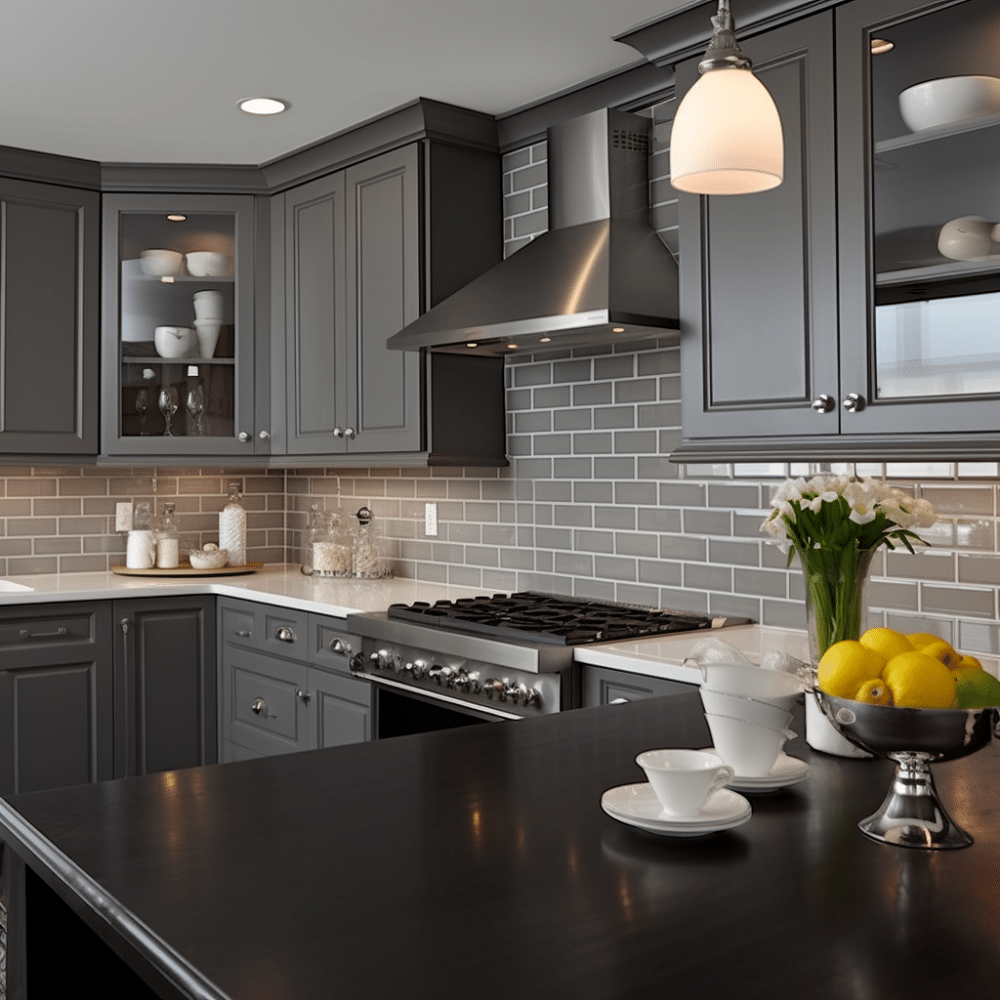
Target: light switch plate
(430, 518)
(123, 517)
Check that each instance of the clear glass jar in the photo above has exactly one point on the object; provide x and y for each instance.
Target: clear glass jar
(327, 552)
(167, 538)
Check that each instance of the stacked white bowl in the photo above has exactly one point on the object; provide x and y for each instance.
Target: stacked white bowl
(748, 710)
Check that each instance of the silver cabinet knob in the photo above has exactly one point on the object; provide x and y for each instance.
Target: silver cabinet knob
(303, 696)
(243, 436)
(341, 647)
(264, 435)
(284, 634)
(823, 403)
(348, 432)
(259, 706)
(244, 633)
(853, 402)
(338, 432)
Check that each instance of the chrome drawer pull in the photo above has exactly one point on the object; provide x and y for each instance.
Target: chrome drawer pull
(284, 634)
(244, 633)
(26, 634)
(339, 646)
(258, 706)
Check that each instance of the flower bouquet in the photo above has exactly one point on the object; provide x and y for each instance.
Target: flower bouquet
(834, 524)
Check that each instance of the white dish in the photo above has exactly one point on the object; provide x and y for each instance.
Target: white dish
(950, 99)
(786, 771)
(637, 805)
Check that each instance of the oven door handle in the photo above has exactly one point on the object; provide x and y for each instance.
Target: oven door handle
(438, 696)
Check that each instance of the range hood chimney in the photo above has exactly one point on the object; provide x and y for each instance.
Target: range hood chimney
(600, 274)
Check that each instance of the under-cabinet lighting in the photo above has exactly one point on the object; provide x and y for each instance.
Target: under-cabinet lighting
(617, 329)
(262, 105)
(471, 344)
(882, 45)
(176, 218)
(512, 347)
(545, 340)
(167, 279)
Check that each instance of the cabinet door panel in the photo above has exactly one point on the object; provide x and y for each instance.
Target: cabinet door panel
(341, 710)
(758, 272)
(383, 295)
(49, 321)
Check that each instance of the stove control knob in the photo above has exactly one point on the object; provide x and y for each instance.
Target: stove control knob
(418, 668)
(492, 687)
(357, 662)
(381, 659)
(533, 697)
(441, 674)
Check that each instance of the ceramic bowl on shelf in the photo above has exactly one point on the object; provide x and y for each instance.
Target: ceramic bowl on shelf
(949, 99)
(967, 238)
(161, 263)
(206, 264)
(175, 341)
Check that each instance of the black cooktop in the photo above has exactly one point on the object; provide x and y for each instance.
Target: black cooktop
(531, 616)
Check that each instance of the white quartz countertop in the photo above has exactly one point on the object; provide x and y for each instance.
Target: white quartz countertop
(284, 585)
(664, 657)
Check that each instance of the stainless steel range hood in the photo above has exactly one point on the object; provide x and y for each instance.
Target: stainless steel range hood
(600, 274)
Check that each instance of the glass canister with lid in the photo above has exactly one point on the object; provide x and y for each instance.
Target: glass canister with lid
(326, 550)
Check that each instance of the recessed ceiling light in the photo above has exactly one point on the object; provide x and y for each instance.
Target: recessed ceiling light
(881, 45)
(262, 105)
(176, 218)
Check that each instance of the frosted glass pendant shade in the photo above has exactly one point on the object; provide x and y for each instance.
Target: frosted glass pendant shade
(726, 137)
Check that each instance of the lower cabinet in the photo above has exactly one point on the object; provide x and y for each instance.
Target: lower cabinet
(166, 690)
(56, 696)
(605, 686)
(286, 684)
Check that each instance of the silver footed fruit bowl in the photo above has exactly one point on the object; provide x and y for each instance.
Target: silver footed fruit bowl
(912, 814)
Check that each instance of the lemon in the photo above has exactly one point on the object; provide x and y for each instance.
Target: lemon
(874, 692)
(975, 688)
(968, 661)
(886, 641)
(919, 681)
(920, 639)
(944, 652)
(845, 666)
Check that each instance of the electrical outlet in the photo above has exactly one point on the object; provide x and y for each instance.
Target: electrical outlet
(123, 517)
(430, 518)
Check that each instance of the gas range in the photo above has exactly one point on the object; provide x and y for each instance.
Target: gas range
(501, 656)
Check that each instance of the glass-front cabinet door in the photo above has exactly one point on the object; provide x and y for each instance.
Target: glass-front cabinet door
(178, 325)
(920, 307)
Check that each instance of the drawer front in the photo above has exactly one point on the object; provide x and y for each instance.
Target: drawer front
(604, 686)
(265, 627)
(330, 646)
(264, 708)
(49, 635)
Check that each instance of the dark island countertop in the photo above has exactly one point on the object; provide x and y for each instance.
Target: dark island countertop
(478, 862)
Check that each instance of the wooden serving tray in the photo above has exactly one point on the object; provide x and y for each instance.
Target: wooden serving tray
(186, 569)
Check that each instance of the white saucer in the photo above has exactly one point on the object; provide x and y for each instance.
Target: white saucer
(637, 805)
(786, 771)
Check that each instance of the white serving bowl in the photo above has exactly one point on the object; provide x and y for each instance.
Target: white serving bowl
(175, 341)
(161, 263)
(751, 750)
(967, 238)
(738, 706)
(206, 264)
(773, 686)
(950, 99)
(208, 558)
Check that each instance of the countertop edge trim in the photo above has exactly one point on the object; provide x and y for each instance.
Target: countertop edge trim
(164, 959)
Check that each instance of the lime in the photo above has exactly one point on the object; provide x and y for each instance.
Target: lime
(845, 666)
(975, 688)
(919, 681)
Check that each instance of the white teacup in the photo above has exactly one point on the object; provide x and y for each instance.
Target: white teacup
(738, 706)
(773, 686)
(684, 779)
(751, 749)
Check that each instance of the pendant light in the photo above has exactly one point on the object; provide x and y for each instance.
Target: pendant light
(726, 136)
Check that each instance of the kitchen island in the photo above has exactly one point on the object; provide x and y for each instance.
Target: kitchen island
(479, 862)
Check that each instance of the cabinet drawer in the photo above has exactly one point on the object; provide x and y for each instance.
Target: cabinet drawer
(280, 631)
(28, 637)
(263, 709)
(604, 686)
(330, 645)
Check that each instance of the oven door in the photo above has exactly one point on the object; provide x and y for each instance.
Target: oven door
(401, 711)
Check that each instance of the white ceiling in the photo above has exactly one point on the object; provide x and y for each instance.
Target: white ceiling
(156, 81)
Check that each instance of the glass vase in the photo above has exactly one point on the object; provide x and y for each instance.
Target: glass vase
(836, 585)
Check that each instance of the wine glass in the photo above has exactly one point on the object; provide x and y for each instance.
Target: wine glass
(195, 404)
(142, 408)
(168, 403)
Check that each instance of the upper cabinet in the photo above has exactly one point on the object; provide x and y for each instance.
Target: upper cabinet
(847, 313)
(366, 250)
(179, 326)
(49, 321)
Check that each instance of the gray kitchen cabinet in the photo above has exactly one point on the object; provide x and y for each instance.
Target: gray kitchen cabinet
(166, 684)
(365, 250)
(286, 684)
(819, 320)
(57, 722)
(212, 372)
(606, 686)
(49, 323)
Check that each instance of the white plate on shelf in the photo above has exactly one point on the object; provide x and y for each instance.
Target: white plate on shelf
(637, 805)
(786, 771)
